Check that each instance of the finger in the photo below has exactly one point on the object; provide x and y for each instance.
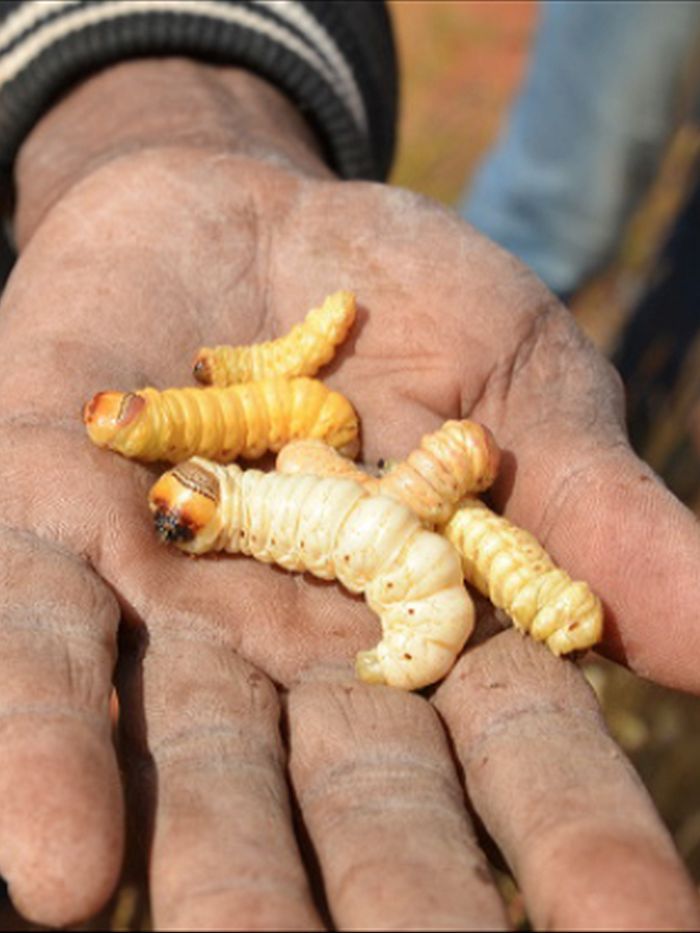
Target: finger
(566, 808)
(607, 519)
(381, 801)
(202, 726)
(61, 812)
(568, 475)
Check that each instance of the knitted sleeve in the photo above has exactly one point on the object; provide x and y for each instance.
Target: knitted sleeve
(335, 59)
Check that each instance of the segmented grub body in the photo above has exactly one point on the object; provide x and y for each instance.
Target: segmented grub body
(315, 457)
(508, 564)
(460, 458)
(302, 352)
(220, 423)
(334, 529)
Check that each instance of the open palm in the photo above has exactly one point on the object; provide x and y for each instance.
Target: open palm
(146, 260)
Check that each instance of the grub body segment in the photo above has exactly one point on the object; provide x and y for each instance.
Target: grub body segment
(509, 566)
(307, 347)
(334, 529)
(220, 424)
(459, 459)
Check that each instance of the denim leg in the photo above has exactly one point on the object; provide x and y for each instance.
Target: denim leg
(585, 136)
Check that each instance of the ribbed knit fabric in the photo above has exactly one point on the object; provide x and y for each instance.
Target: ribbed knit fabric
(335, 59)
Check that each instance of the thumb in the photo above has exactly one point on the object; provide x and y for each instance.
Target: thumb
(606, 518)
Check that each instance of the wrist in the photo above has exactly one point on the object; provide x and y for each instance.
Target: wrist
(152, 104)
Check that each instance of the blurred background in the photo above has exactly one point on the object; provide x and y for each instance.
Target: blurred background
(462, 64)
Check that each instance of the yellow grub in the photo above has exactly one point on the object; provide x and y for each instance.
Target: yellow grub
(220, 423)
(302, 352)
(504, 562)
(509, 566)
(334, 529)
(459, 459)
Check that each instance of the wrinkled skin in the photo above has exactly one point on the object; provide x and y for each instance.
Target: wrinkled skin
(123, 278)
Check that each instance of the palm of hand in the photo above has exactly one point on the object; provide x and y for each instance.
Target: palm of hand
(119, 287)
(132, 305)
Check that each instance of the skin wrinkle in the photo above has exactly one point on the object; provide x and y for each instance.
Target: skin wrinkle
(181, 633)
(400, 360)
(471, 401)
(509, 721)
(559, 823)
(96, 722)
(247, 883)
(82, 682)
(214, 904)
(261, 263)
(184, 797)
(332, 819)
(32, 419)
(376, 769)
(190, 193)
(221, 763)
(221, 736)
(76, 631)
(504, 375)
(569, 800)
(216, 223)
(544, 357)
(259, 871)
(212, 310)
(102, 602)
(232, 698)
(186, 627)
(549, 839)
(169, 270)
(241, 126)
(426, 800)
(52, 546)
(576, 707)
(449, 398)
(519, 667)
(48, 516)
(264, 884)
(83, 677)
(568, 484)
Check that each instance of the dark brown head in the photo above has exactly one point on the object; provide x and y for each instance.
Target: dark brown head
(184, 504)
(107, 414)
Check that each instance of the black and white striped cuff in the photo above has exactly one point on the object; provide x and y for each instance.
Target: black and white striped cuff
(334, 59)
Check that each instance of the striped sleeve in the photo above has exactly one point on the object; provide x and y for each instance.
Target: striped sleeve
(335, 59)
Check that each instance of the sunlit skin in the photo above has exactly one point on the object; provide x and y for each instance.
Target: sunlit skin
(135, 253)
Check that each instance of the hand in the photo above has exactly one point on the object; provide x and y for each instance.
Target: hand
(132, 257)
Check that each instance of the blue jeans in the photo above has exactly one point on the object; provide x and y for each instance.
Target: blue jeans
(586, 134)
